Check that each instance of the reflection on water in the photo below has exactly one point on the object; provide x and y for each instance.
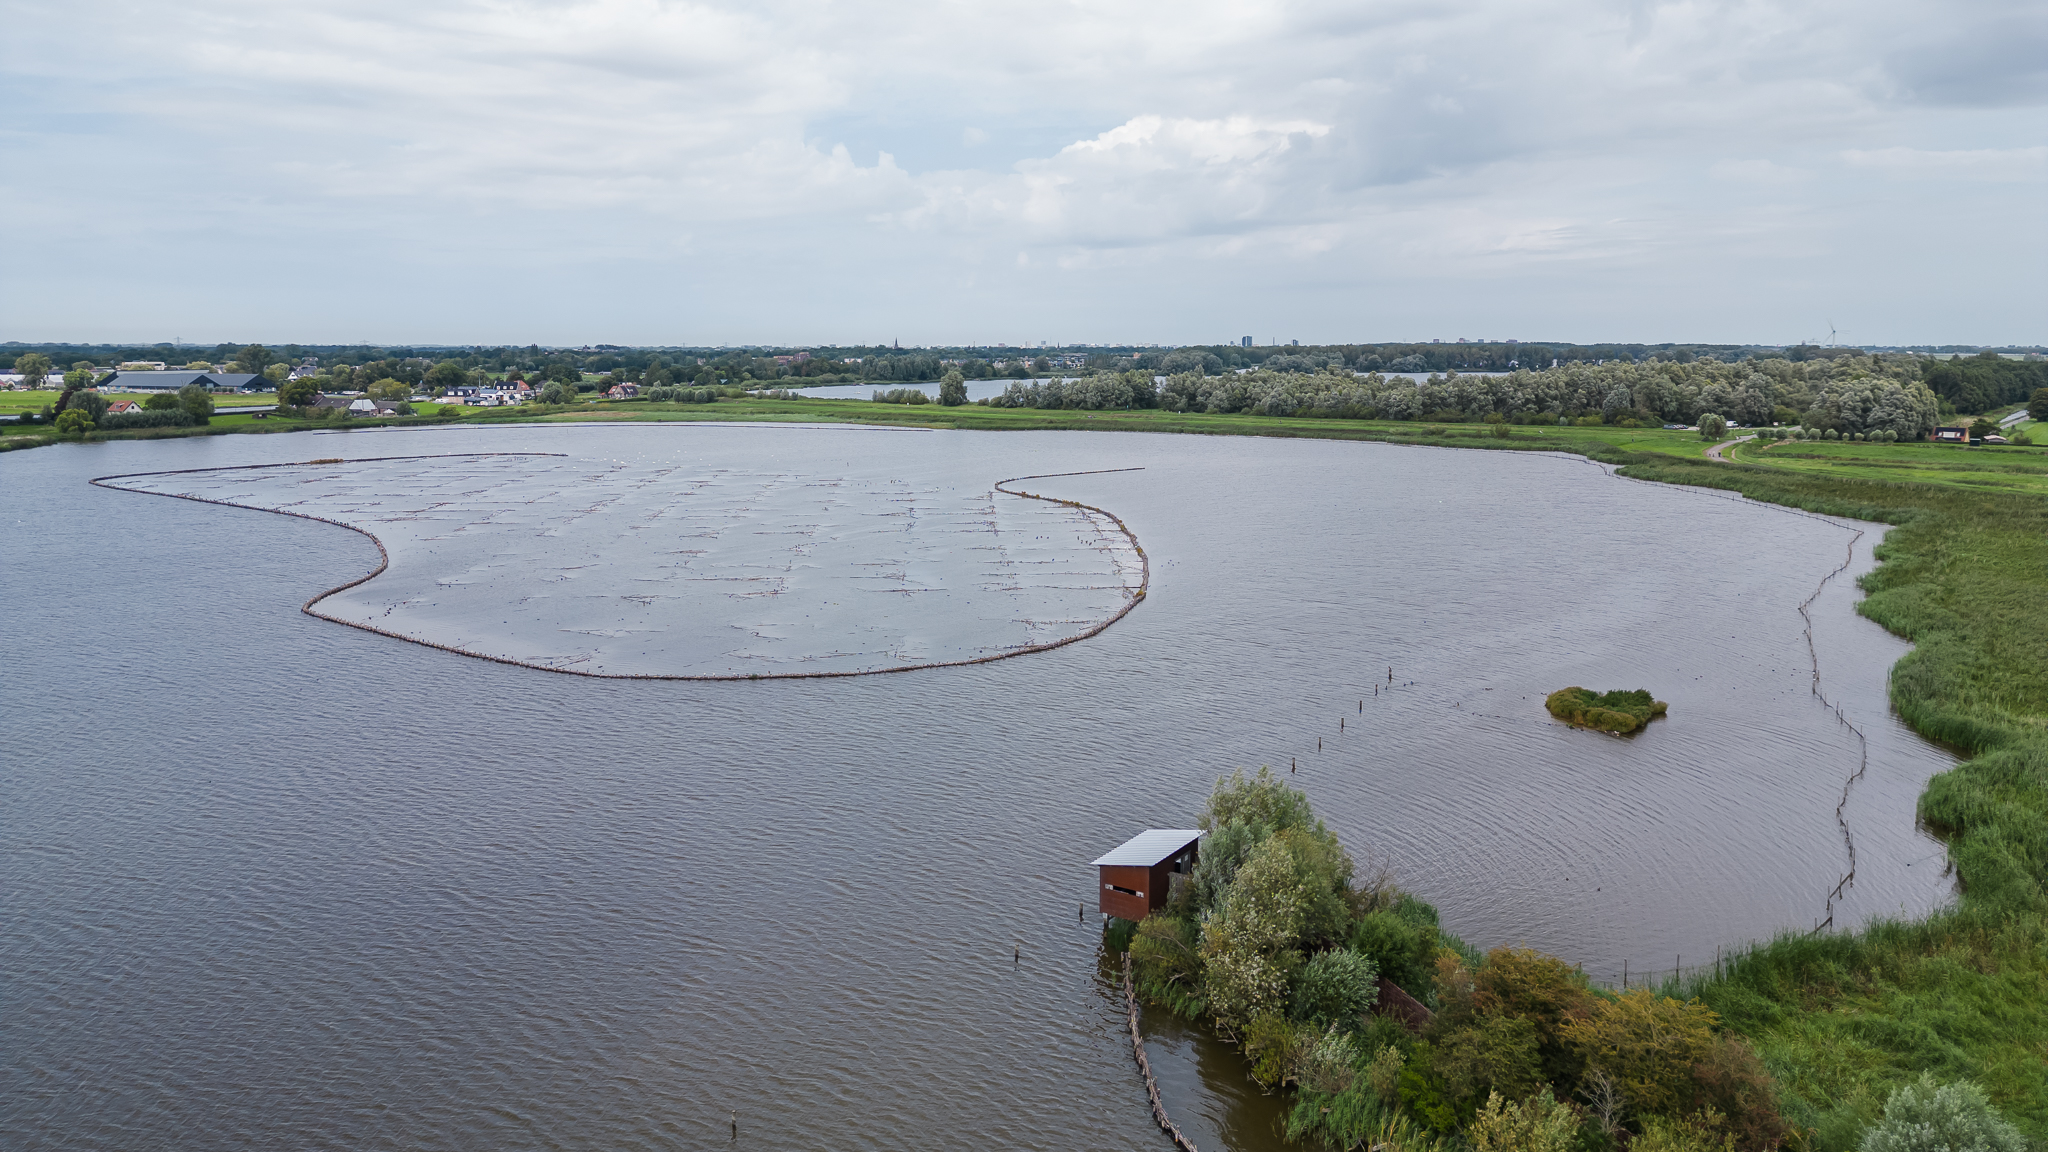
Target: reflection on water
(276, 882)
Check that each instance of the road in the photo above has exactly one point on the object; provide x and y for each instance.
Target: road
(1714, 453)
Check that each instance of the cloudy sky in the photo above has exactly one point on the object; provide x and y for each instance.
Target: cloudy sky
(648, 171)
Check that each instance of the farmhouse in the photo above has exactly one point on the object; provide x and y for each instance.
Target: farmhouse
(1138, 876)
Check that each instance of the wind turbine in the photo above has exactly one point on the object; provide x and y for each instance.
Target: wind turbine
(1831, 333)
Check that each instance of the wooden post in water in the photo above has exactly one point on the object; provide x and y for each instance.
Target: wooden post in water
(1624, 975)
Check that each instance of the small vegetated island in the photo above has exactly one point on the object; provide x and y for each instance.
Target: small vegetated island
(1395, 1035)
(1619, 711)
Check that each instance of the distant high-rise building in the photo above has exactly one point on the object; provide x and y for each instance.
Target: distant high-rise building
(1245, 343)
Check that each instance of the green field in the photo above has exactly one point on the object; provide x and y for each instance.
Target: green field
(1992, 468)
(15, 400)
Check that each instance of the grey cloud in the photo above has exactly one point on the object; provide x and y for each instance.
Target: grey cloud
(1997, 63)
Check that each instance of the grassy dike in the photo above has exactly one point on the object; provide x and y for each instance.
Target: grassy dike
(1840, 1019)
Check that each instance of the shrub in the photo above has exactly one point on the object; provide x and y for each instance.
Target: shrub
(1730, 1081)
(1383, 1075)
(901, 396)
(1543, 1125)
(1335, 988)
(1618, 711)
(1647, 1045)
(161, 402)
(196, 402)
(1166, 956)
(1541, 989)
(1701, 1132)
(1248, 945)
(1926, 1116)
(73, 422)
(173, 417)
(1712, 427)
(1329, 1064)
(1404, 952)
(1275, 1047)
(1243, 811)
(448, 410)
(1457, 1068)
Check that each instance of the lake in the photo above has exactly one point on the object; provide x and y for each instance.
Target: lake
(273, 881)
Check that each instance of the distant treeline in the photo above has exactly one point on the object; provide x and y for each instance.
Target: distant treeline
(1972, 384)
(1983, 382)
(1847, 394)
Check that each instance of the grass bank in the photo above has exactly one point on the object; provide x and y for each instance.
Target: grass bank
(1842, 1019)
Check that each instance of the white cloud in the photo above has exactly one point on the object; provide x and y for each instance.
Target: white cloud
(1758, 172)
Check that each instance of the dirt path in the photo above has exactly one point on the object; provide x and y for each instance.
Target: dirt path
(1714, 453)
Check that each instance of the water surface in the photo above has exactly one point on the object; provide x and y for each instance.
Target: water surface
(277, 882)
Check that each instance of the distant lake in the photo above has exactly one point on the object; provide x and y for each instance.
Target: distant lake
(277, 882)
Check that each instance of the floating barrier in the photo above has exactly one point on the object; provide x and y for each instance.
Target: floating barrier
(1848, 879)
(384, 562)
(1166, 1123)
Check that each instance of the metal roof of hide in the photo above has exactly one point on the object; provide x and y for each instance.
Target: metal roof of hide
(1150, 847)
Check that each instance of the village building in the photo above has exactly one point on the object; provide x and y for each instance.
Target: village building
(172, 381)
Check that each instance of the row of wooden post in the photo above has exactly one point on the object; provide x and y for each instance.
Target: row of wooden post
(1145, 1066)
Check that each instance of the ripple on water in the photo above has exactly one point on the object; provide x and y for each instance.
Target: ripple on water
(275, 882)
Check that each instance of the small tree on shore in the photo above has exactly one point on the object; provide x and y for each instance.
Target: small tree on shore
(1926, 1116)
(952, 389)
(196, 402)
(1712, 427)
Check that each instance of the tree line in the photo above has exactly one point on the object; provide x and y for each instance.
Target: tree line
(1846, 394)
